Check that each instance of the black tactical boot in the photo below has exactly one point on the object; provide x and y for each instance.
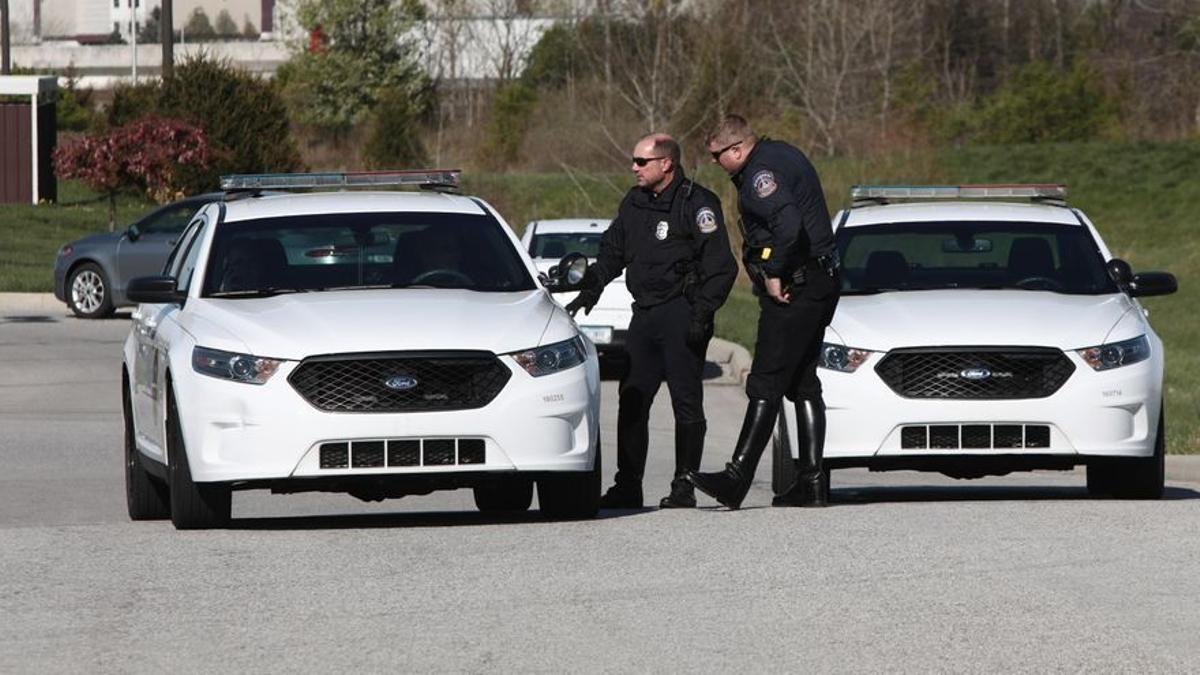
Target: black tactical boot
(622, 496)
(812, 483)
(731, 485)
(689, 446)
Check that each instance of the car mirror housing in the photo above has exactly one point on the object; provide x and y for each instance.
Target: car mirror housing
(568, 274)
(1152, 283)
(1120, 272)
(154, 290)
(133, 232)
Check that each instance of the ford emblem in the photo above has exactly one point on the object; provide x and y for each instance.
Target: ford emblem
(975, 374)
(400, 382)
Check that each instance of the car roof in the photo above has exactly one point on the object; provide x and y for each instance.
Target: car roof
(910, 212)
(568, 225)
(308, 203)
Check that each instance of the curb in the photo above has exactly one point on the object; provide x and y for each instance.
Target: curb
(1184, 468)
(733, 359)
(15, 303)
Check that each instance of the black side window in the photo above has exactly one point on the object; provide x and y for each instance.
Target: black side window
(170, 220)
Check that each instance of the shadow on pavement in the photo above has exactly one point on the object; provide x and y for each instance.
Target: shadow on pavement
(405, 520)
(28, 319)
(981, 493)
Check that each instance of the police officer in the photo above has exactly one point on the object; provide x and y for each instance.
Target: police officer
(669, 236)
(789, 255)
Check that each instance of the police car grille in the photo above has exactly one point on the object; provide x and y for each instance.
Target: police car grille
(974, 373)
(400, 382)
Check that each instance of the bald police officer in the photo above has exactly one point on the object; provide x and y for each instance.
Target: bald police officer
(788, 251)
(669, 236)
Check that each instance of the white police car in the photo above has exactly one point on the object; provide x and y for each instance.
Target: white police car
(984, 337)
(549, 240)
(381, 344)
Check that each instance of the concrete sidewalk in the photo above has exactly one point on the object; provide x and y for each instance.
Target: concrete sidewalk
(23, 303)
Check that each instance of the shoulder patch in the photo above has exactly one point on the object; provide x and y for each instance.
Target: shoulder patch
(706, 220)
(764, 183)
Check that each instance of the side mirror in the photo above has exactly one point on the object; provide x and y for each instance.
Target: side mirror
(154, 290)
(133, 232)
(1152, 283)
(1120, 272)
(568, 274)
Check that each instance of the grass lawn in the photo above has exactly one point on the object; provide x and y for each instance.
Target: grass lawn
(1145, 199)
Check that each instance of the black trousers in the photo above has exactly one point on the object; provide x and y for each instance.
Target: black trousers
(657, 348)
(789, 340)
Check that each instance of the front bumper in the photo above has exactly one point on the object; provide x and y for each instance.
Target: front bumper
(61, 265)
(1110, 413)
(237, 432)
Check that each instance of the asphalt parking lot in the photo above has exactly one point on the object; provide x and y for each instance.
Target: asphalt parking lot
(906, 572)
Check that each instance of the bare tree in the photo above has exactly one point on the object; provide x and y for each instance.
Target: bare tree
(836, 59)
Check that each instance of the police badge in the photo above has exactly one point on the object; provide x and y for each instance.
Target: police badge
(764, 183)
(661, 230)
(706, 220)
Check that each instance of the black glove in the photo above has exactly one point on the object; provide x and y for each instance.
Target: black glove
(700, 331)
(586, 300)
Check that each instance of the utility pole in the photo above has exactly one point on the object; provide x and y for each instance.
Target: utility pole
(5, 62)
(167, 37)
(133, 33)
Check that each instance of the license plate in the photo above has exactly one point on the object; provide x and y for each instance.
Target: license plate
(601, 335)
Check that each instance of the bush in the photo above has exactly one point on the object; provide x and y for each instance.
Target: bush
(131, 101)
(393, 138)
(242, 115)
(1041, 103)
(511, 110)
(153, 155)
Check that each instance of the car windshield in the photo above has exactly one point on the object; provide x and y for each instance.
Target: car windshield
(556, 245)
(342, 251)
(939, 255)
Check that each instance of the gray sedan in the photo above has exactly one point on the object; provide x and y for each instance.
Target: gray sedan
(90, 274)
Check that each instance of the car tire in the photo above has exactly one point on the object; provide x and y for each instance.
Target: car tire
(1101, 477)
(194, 506)
(145, 497)
(1143, 477)
(506, 495)
(783, 467)
(571, 496)
(88, 293)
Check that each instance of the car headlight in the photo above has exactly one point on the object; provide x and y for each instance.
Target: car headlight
(553, 358)
(232, 366)
(66, 250)
(1116, 354)
(841, 358)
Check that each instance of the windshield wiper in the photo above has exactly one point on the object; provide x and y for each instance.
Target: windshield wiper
(255, 292)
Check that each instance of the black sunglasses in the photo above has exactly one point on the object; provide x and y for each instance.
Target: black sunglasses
(716, 154)
(643, 161)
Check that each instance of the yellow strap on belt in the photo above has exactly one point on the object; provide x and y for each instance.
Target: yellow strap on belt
(766, 252)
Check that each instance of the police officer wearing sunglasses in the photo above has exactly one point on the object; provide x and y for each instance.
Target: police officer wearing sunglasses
(669, 237)
(789, 254)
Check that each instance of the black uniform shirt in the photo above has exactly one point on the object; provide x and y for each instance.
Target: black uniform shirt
(658, 238)
(782, 208)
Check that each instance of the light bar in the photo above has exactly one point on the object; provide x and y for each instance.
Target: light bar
(1051, 191)
(283, 181)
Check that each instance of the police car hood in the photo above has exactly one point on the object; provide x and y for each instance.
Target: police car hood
(893, 320)
(297, 325)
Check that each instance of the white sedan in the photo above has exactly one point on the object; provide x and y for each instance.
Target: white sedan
(380, 344)
(549, 240)
(977, 338)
